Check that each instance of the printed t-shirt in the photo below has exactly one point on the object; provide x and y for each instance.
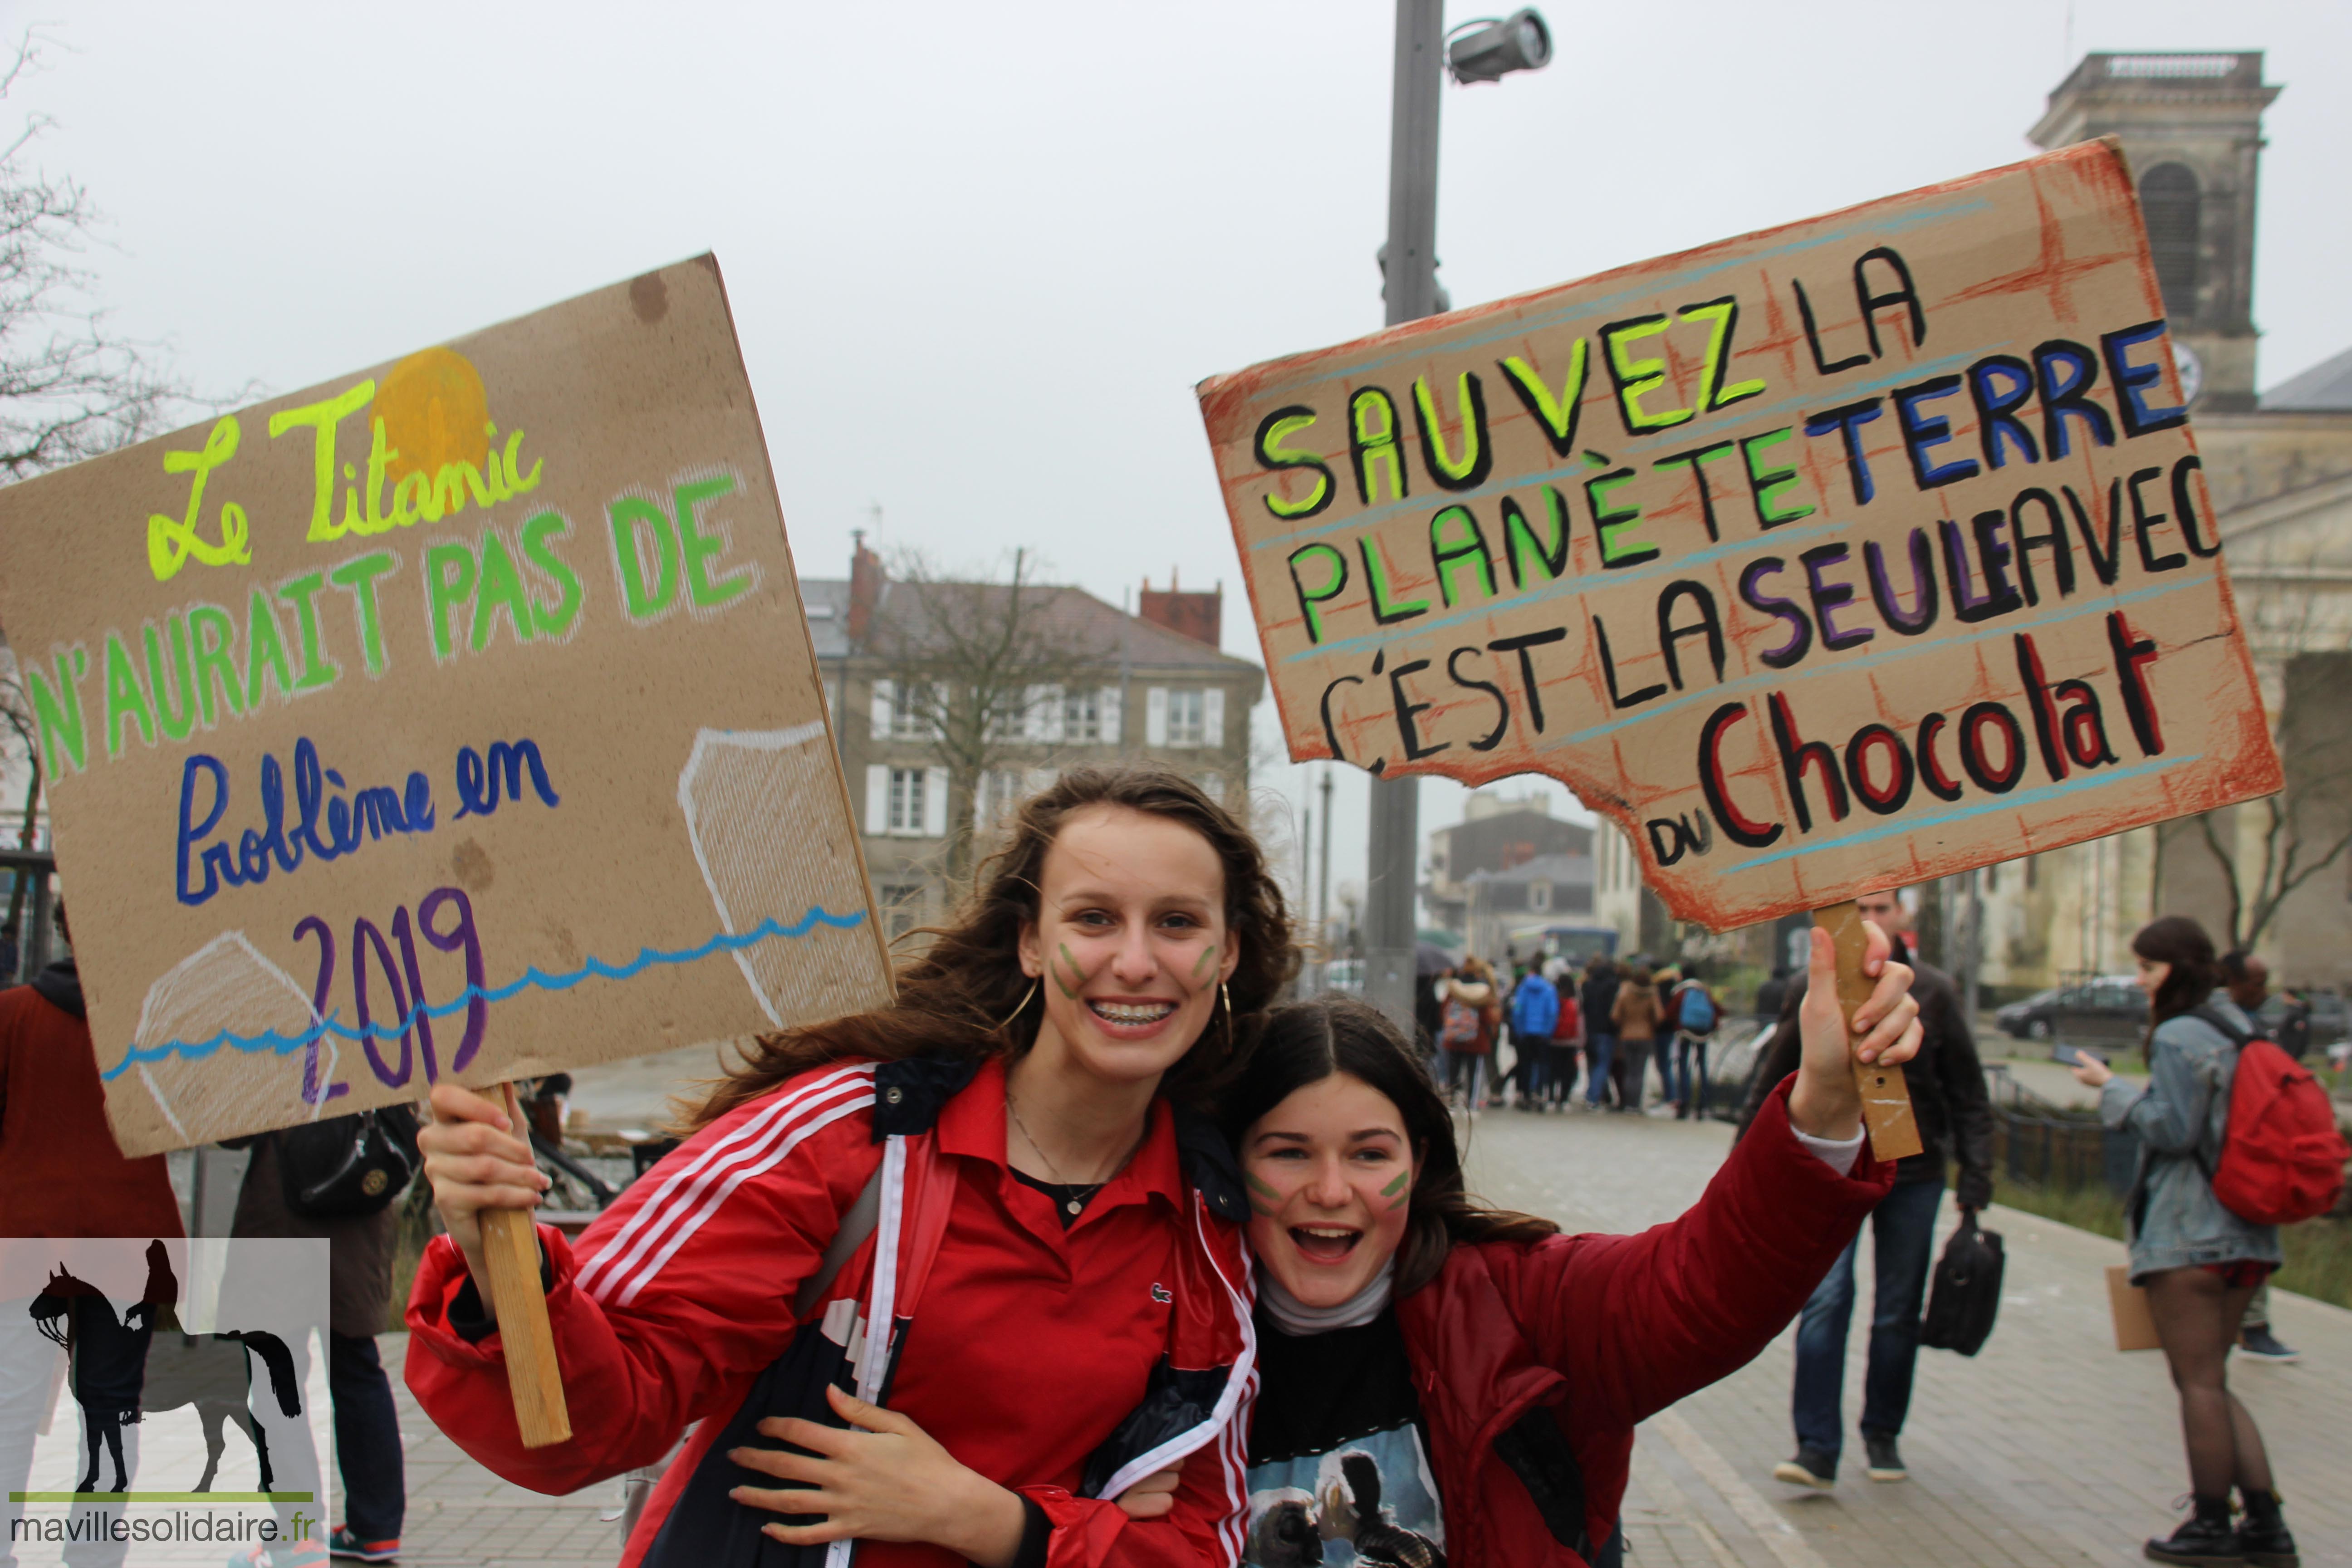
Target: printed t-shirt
(1339, 1463)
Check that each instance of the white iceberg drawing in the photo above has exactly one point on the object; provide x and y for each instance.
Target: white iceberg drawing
(227, 984)
(757, 812)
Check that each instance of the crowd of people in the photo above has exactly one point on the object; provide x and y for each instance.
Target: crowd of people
(1577, 1037)
(1198, 1276)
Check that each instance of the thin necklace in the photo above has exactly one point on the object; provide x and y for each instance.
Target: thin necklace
(1080, 1192)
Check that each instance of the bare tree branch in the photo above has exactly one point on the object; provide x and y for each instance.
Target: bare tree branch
(980, 661)
(70, 387)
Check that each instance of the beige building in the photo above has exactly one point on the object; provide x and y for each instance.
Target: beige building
(1147, 686)
(2280, 472)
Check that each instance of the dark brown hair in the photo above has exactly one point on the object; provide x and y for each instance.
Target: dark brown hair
(2181, 942)
(965, 995)
(1306, 1042)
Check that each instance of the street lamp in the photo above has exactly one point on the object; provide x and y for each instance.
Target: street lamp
(1409, 270)
(1518, 42)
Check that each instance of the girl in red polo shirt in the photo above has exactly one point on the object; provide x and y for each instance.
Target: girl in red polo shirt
(987, 1206)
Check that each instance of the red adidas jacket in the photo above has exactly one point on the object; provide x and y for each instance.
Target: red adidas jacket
(1020, 1348)
(1607, 1330)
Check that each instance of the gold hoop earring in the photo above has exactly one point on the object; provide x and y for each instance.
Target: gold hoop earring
(1226, 992)
(1018, 1008)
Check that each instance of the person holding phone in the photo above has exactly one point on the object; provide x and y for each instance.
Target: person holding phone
(2200, 1263)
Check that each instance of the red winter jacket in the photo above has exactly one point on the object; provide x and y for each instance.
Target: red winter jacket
(1051, 1363)
(1606, 1330)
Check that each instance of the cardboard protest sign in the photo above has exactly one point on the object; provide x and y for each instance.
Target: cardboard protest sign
(1856, 552)
(456, 718)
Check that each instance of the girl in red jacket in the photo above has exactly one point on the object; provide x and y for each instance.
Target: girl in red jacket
(1443, 1382)
(983, 1205)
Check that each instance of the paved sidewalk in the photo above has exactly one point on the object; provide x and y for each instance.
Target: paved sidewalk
(2048, 1447)
(460, 1513)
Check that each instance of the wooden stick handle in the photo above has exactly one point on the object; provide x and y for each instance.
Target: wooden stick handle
(510, 1246)
(1885, 1098)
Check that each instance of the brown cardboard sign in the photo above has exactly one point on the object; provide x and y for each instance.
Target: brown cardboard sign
(456, 718)
(1848, 553)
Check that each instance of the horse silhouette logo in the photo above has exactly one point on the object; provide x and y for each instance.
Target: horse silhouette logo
(122, 1367)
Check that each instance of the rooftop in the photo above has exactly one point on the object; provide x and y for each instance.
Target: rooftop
(2325, 388)
(1090, 627)
(1542, 869)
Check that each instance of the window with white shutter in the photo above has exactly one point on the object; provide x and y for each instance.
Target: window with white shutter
(907, 800)
(1113, 717)
(1187, 716)
(1082, 716)
(885, 698)
(878, 800)
(910, 713)
(1155, 716)
(1047, 715)
(1213, 716)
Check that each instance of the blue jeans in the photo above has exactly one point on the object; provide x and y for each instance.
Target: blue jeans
(367, 1438)
(1684, 1086)
(1902, 1231)
(1597, 1054)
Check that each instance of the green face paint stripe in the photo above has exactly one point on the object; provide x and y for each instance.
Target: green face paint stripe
(1207, 957)
(1257, 1186)
(1069, 987)
(1398, 1186)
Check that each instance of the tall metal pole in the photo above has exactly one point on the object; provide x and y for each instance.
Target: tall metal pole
(1412, 292)
(1323, 883)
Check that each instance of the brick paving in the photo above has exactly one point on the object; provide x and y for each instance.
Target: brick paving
(2049, 1448)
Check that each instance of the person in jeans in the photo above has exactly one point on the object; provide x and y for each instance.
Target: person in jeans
(1634, 1016)
(1955, 1119)
(367, 1423)
(1470, 1010)
(1567, 1034)
(1535, 1009)
(1599, 1000)
(1692, 1011)
(2198, 1262)
(2248, 981)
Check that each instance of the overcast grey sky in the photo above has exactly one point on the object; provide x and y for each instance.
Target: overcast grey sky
(979, 255)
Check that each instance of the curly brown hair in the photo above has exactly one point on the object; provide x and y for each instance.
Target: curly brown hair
(966, 997)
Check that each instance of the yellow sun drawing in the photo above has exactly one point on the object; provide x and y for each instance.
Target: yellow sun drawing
(434, 413)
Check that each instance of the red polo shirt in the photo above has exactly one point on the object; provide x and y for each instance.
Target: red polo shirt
(1029, 1346)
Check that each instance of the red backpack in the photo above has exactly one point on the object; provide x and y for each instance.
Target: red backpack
(2281, 1156)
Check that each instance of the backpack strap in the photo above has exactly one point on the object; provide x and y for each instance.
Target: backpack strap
(858, 1223)
(2238, 1037)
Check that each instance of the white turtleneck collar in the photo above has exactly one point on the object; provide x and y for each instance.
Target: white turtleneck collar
(1295, 1317)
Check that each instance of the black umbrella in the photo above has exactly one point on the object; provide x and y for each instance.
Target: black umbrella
(1429, 959)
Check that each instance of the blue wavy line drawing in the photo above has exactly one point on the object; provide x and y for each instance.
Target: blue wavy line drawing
(282, 1045)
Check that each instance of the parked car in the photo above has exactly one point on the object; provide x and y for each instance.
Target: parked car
(2111, 1007)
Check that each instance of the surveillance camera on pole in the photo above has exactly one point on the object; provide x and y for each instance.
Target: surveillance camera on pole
(1518, 42)
(1483, 51)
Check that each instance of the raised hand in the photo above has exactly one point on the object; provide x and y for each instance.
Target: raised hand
(476, 1161)
(1825, 1102)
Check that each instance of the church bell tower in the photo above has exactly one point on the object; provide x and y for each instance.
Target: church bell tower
(2191, 129)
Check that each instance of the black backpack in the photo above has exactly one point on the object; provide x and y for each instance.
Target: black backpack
(344, 1165)
(1967, 1293)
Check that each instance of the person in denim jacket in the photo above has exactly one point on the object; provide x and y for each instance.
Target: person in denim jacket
(2200, 1262)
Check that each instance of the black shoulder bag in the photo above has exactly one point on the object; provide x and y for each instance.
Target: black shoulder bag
(346, 1165)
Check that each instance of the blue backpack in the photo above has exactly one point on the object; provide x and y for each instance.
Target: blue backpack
(1696, 1015)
